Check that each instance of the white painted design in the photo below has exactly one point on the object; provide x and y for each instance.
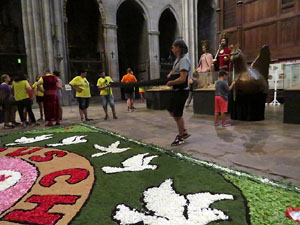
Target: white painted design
(8, 179)
(134, 164)
(295, 215)
(70, 141)
(26, 140)
(113, 148)
(169, 208)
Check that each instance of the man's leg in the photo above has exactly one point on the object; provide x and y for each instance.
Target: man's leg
(104, 105)
(41, 110)
(223, 117)
(128, 103)
(81, 113)
(85, 114)
(20, 106)
(216, 117)
(180, 125)
(111, 100)
(28, 106)
(86, 106)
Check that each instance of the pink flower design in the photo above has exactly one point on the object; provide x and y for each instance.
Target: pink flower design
(16, 178)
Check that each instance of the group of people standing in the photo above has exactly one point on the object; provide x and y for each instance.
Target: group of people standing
(83, 93)
(48, 89)
(17, 94)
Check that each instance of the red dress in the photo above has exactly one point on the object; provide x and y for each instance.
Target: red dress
(223, 64)
(51, 103)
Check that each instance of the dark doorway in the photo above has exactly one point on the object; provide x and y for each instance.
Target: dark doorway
(85, 40)
(168, 29)
(12, 44)
(133, 40)
(206, 25)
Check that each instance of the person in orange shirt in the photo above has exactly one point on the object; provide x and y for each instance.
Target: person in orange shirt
(129, 92)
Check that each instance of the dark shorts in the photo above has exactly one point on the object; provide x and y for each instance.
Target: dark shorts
(177, 103)
(83, 103)
(129, 95)
(39, 99)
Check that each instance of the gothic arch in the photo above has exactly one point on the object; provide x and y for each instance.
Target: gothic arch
(101, 10)
(141, 6)
(171, 8)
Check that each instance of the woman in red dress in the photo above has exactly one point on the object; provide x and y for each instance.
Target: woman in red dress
(51, 102)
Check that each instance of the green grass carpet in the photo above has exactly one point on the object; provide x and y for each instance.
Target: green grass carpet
(254, 202)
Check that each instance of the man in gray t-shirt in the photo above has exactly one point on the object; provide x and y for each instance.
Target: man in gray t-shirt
(182, 63)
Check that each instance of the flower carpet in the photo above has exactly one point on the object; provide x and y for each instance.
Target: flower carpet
(83, 175)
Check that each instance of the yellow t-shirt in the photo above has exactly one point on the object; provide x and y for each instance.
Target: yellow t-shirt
(20, 91)
(141, 90)
(103, 82)
(37, 91)
(82, 83)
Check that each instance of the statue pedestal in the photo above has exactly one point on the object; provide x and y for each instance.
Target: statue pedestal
(158, 99)
(204, 101)
(291, 106)
(249, 107)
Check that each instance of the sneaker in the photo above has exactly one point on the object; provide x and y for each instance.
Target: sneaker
(115, 117)
(9, 126)
(89, 120)
(217, 124)
(178, 141)
(186, 135)
(24, 124)
(226, 124)
(40, 119)
(106, 117)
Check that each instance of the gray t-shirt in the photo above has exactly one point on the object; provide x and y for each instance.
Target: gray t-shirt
(180, 64)
(222, 89)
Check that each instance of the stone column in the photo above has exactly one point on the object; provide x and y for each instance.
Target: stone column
(111, 55)
(31, 40)
(154, 54)
(189, 28)
(48, 34)
(27, 39)
(38, 32)
(60, 55)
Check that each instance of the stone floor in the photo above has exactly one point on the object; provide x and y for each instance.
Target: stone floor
(269, 148)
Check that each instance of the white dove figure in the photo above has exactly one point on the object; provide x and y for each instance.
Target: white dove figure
(164, 206)
(26, 140)
(113, 148)
(133, 164)
(70, 141)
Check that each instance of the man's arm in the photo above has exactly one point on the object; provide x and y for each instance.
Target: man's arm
(179, 80)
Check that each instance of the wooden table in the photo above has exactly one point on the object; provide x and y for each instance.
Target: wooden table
(204, 101)
(158, 99)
